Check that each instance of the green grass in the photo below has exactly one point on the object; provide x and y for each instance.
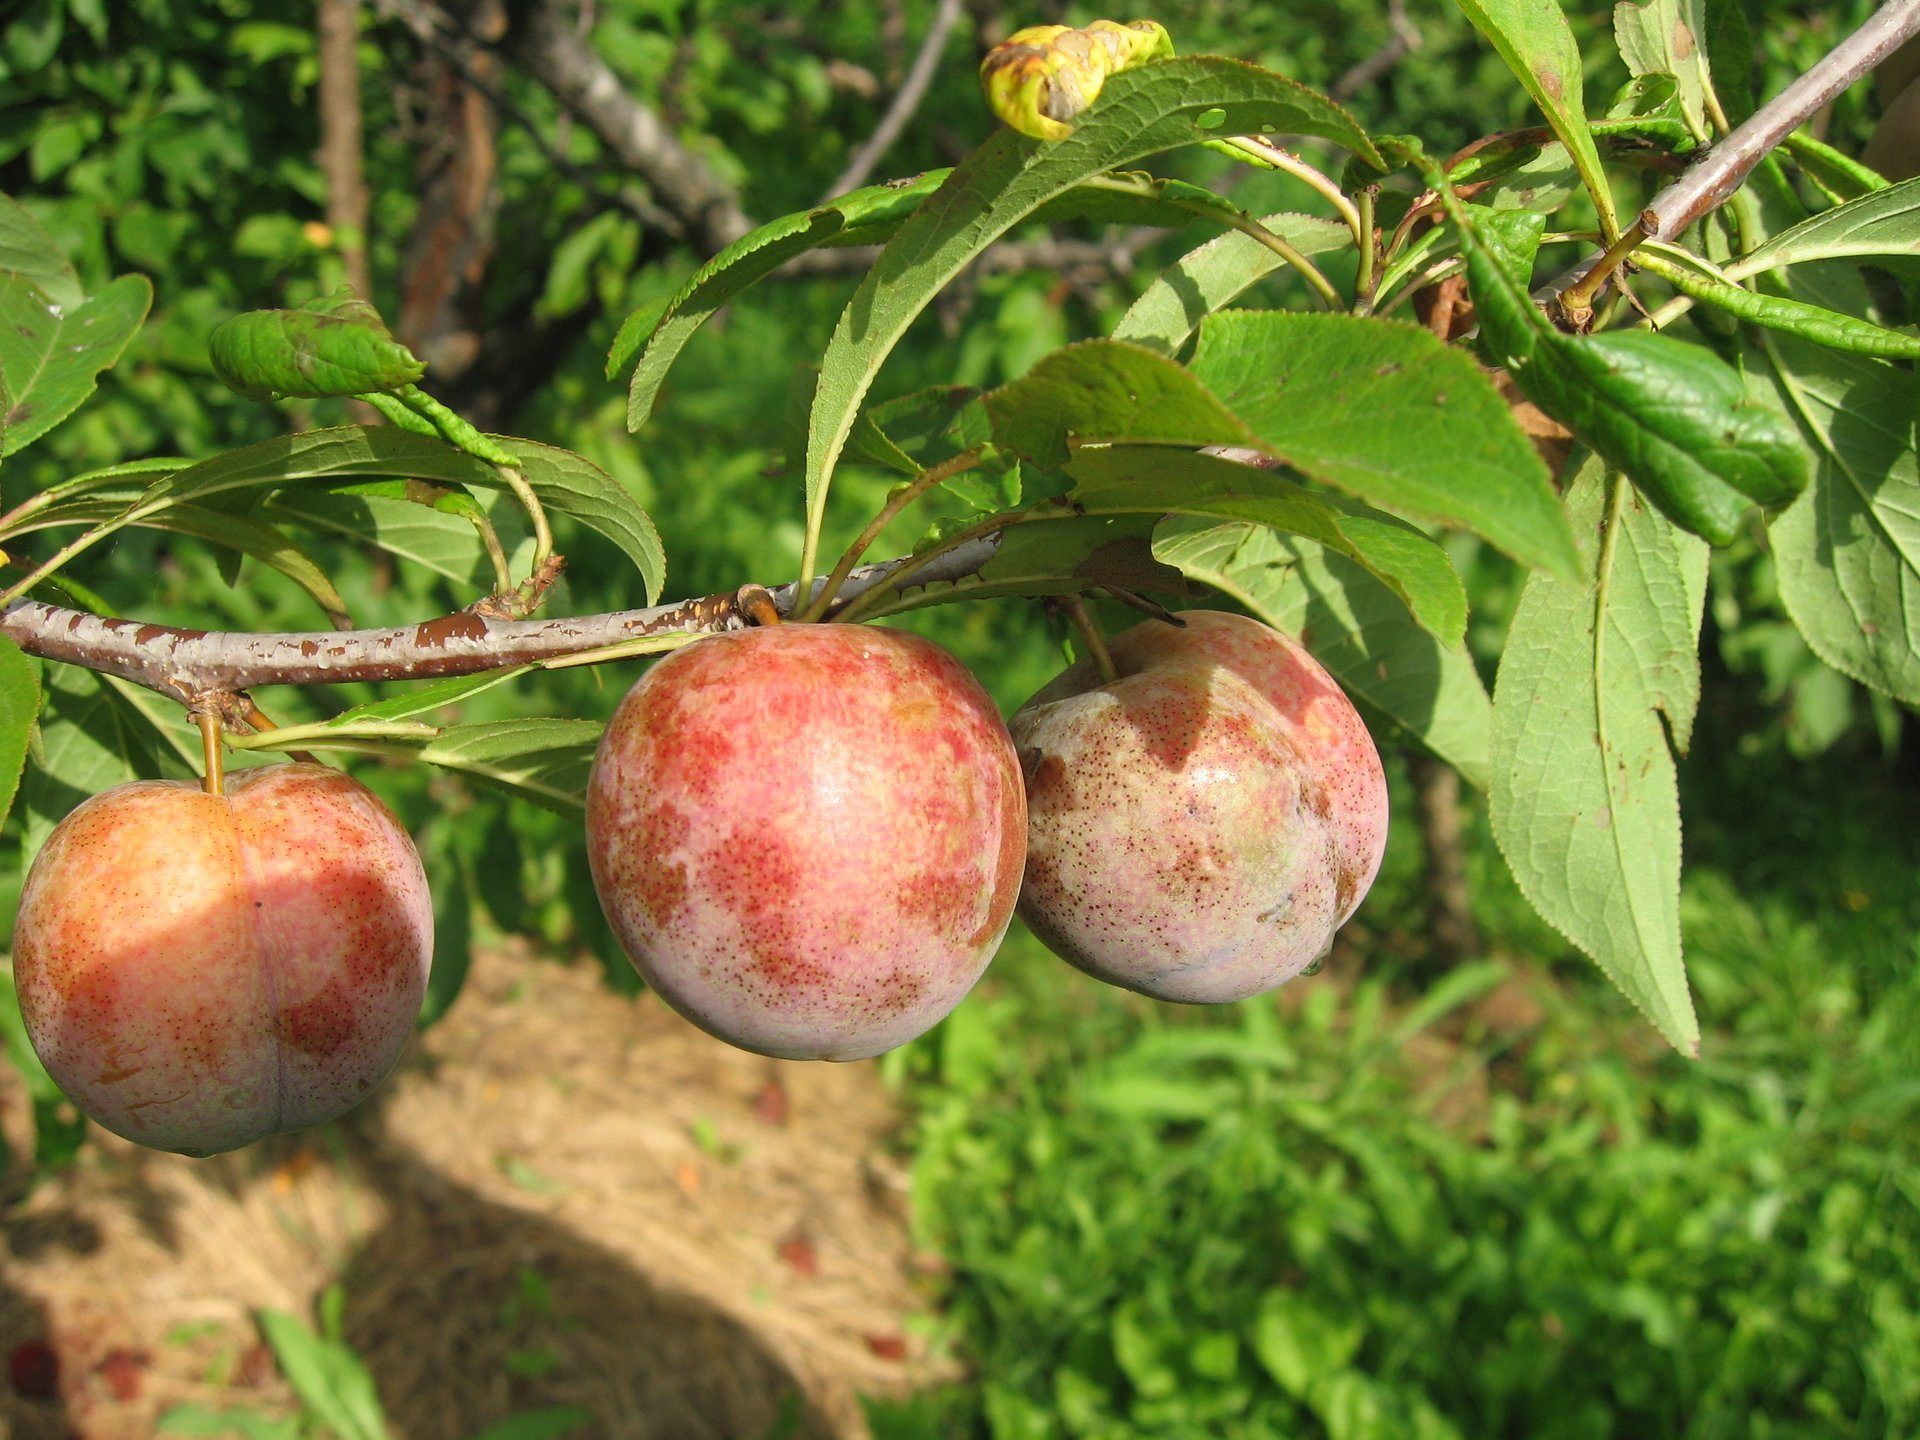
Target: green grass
(1385, 1206)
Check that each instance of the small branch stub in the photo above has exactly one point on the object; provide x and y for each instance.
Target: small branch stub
(755, 603)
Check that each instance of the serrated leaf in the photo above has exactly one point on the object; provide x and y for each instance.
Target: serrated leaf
(1669, 37)
(334, 345)
(566, 483)
(19, 708)
(27, 251)
(1139, 113)
(1354, 626)
(240, 534)
(1673, 416)
(1847, 552)
(1585, 805)
(52, 353)
(543, 760)
(1387, 413)
(1216, 274)
(1536, 42)
(1784, 313)
(1884, 226)
(1103, 391)
(1183, 482)
(433, 539)
(753, 256)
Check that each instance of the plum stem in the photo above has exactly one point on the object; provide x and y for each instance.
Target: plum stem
(214, 781)
(1089, 631)
(756, 603)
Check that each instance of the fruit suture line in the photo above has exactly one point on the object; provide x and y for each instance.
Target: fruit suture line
(182, 662)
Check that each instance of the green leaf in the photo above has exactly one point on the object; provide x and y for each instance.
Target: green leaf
(1387, 413)
(334, 345)
(542, 760)
(667, 328)
(1102, 391)
(566, 483)
(569, 484)
(1533, 37)
(28, 253)
(1585, 805)
(197, 1419)
(1884, 225)
(422, 535)
(1847, 552)
(1215, 275)
(1140, 112)
(1673, 416)
(1833, 170)
(52, 353)
(1300, 1343)
(329, 1378)
(1785, 314)
(1354, 626)
(19, 708)
(239, 533)
(1183, 482)
(1669, 37)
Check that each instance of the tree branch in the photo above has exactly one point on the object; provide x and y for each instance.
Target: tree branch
(549, 49)
(183, 663)
(905, 102)
(337, 24)
(1406, 38)
(1709, 183)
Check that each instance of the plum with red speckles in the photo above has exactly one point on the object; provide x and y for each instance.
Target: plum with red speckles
(199, 971)
(1202, 824)
(809, 838)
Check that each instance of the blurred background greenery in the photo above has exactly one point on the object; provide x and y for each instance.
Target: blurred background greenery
(1428, 1193)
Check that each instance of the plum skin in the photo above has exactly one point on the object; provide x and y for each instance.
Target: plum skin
(1200, 826)
(808, 837)
(200, 971)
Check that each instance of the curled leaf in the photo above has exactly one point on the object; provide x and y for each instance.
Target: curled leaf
(335, 345)
(1038, 80)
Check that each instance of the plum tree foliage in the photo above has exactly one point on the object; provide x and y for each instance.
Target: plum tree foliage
(808, 832)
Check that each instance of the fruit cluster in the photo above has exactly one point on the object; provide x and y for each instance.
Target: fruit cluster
(810, 840)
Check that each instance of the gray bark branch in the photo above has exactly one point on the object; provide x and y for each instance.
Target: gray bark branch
(182, 663)
(905, 102)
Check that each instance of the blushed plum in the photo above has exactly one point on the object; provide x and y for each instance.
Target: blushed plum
(1201, 825)
(198, 971)
(808, 838)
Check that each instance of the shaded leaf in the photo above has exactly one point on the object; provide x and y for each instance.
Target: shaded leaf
(1585, 805)
(1847, 552)
(52, 353)
(19, 708)
(1533, 37)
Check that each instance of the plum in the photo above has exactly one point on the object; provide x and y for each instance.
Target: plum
(808, 837)
(198, 971)
(1201, 825)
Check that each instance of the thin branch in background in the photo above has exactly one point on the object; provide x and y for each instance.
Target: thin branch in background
(546, 46)
(337, 26)
(435, 32)
(1450, 927)
(1406, 39)
(905, 102)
